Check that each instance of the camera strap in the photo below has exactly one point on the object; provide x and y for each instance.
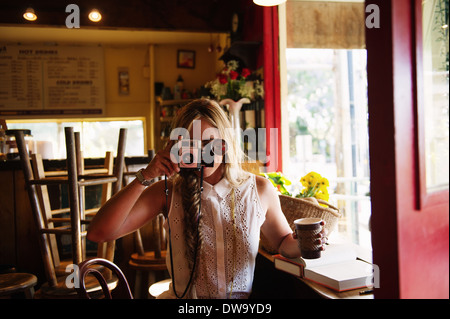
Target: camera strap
(170, 237)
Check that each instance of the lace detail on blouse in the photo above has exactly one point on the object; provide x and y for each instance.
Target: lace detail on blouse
(227, 257)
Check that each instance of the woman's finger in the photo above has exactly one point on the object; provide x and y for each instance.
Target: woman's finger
(165, 167)
(159, 166)
(170, 165)
(167, 152)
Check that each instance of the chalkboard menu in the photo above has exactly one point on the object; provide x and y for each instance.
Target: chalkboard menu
(51, 80)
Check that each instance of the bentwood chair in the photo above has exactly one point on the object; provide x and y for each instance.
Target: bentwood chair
(56, 287)
(121, 291)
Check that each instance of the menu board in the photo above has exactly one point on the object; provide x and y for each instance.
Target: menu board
(51, 80)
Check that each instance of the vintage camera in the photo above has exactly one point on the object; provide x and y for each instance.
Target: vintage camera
(190, 154)
(193, 154)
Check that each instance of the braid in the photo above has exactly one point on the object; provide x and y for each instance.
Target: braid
(190, 197)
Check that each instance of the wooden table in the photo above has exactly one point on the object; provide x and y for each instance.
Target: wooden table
(321, 291)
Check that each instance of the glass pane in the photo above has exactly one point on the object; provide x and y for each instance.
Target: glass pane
(436, 93)
(328, 131)
(97, 137)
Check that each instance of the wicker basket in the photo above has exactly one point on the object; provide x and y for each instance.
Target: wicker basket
(295, 208)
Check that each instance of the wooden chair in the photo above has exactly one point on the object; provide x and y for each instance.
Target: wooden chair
(105, 250)
(122, 290)
(149, 265)
(14, 283)
(57, 287)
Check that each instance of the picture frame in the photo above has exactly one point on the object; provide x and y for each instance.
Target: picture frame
(124, 81)
(186, 59)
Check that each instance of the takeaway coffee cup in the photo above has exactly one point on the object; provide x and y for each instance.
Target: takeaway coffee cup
(307, 230)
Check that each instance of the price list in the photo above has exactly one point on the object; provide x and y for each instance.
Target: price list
(39, 78)
(20, 83)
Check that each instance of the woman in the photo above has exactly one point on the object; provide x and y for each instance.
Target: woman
(214, 231)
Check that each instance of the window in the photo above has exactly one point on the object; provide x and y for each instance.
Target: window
(97, 136)
(436, 93)
(328, 131)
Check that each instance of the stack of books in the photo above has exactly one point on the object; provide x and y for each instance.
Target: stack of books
(338, 268)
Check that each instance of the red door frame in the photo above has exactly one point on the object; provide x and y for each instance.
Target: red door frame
(410, 242)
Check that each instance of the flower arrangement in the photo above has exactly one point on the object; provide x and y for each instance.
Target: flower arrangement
(314, 185)
(232, 84)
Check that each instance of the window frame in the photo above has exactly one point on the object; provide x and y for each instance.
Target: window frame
(424, 198)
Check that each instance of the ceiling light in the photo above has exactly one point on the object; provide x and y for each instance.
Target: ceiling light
(95, 16)
(268, 3)
(30, 15)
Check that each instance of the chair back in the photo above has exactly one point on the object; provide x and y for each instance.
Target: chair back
(121, 291)
(36, 181)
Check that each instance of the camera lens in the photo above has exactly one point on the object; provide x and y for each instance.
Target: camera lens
(187, 158)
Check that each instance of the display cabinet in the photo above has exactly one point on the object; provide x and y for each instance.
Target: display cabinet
(165, 113)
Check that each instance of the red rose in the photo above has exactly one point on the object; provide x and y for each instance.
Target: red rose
(246, 72)
(223, 79)
(233, 75)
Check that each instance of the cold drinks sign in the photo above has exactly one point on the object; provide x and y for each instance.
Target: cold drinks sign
(51, 80)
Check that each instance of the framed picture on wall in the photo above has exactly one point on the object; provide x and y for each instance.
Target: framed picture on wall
(124, 81)
(186, 59)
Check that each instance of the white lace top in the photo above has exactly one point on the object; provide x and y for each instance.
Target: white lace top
(219, 261)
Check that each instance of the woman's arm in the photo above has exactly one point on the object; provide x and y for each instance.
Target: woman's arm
(134, 205)
(276, 228)
(127, 211)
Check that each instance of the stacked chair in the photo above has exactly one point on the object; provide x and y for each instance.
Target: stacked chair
(76, 178)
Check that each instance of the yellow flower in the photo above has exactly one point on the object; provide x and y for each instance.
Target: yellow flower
(323, 196)
(304, 181)
(313, 179)
(323, 184)
(314, 185)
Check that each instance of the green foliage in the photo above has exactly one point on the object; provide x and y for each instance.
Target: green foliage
(279, 181)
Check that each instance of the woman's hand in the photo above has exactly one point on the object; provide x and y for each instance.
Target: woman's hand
(161, 164)
(322, 238)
